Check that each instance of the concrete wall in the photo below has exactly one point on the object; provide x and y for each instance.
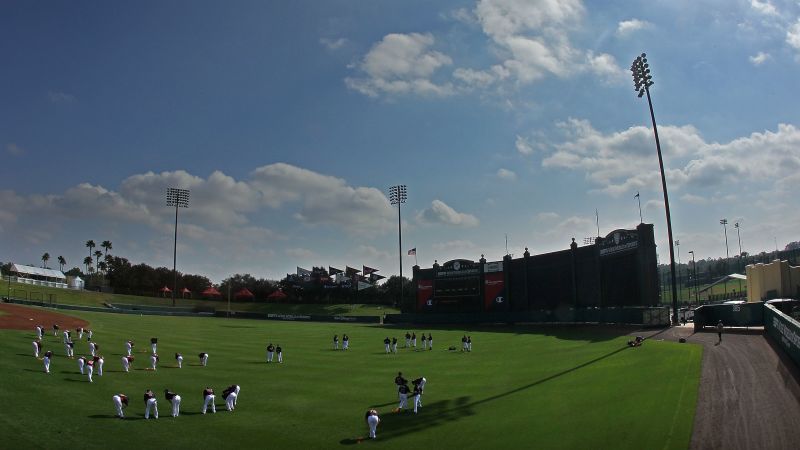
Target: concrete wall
(774, 280)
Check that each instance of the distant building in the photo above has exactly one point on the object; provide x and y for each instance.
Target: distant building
(774, 280)
(38, 276)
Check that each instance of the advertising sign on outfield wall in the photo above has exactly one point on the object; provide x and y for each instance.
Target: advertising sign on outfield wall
(784, 330)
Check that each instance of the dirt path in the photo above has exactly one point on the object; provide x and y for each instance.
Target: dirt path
(749, 393)
(18, 317)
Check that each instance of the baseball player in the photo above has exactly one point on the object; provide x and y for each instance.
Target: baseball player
(399, 380)
(414, 340)
(403, 391)
(229, 395)
(126, 362)
(424, 342)
(208, 399)
(387, 343)
(88, 335)
(55, 329)
(430, 342)
(408, 339)
(417, 398)
(98, 361)
(80, 332)
(69, 347)
(39, 331)
(279, 350)
(89, 368)
(175, 400)
(150, 403)
(345, 342)
(92, 348)
(153, 361)
(270, 352)
(129, 347)
(81, 364)
(48, 354)
(372, 421)
(96, 350)
(120, 402)
(394, 344)
(37, 347)
(179, 359)
(469, 343)
(153, 344)
(203, 358)
(66, 336)
(336, 342)
(419, 384)
(720, 327)
(464, 343)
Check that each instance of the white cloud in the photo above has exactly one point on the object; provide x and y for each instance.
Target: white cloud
(14, 149)
(547, 216)
(402, 64)
(624, 161)
(793, 35)
(60, 97)
(505, 174)
(440, 213)
(760, 58)
(454, 245)
(627, 27)
(694, 199)
(523, 146)
(370, 253)
(333, 44)
(765, 8)
(605, 66)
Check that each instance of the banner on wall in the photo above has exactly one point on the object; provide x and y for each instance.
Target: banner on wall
(494, 292)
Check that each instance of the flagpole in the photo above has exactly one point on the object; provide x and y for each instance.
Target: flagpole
(640, 207)
(597, 218)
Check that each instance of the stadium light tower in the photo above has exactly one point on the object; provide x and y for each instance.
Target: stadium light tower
(694, 269)
(724, 223)
(179, 198)
(642, 80)
(397, 196)
(741, 260)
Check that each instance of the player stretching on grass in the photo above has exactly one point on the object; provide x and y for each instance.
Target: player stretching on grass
(120, 402)
(372, 422)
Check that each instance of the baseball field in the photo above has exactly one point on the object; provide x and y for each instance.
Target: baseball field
(519, 387)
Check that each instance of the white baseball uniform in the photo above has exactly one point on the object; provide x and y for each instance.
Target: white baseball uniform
(125, 364)
(81, 364)
(151, 403)
(180, 361)
(118, 406)
(90, 370)
(35, 349)
(209, 400)
(153, 361)
(230, 401)
(129, 347)
(373, 421)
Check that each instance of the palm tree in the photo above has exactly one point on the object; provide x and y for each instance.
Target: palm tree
(87, 262)
(106, 245)
(97, 255)
(102, 266)
(91, 245)
(61, 263)
(45, 258)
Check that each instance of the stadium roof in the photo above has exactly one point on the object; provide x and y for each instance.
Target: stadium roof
(38, 271)
(733, 276)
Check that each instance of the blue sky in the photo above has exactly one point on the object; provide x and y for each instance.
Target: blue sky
(289, 121)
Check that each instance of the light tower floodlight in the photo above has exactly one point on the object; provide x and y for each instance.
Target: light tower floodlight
(179, 198)
(642, 80)
(724, 223)
(397, 196)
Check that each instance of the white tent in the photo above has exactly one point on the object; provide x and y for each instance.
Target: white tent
(38, 276)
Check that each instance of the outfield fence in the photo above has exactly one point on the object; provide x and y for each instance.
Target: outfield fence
(784, 330)
(742, 315)
(296, 317)
(645, 316)
(106, 309)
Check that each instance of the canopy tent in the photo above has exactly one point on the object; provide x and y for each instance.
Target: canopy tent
(244, 293)
(37, 272)
(164, 291)
(733, 276)
(277, 295)
(186, 291)
(211, 292)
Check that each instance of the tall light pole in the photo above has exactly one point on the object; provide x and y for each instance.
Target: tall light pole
(694, 270)
(678, 251)
(738, 235)
(724, 223)
(642, 80)
(397, 196)
(179, 198)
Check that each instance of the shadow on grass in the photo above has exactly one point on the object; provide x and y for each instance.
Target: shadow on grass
(398, 424)
(74, 380)
(104, 416)
(238, 326)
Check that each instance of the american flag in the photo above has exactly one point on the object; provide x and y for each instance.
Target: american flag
(412, 252)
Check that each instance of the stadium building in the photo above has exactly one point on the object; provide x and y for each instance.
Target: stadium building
(617, 270)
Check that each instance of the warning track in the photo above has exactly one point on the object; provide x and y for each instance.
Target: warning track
(749, 394)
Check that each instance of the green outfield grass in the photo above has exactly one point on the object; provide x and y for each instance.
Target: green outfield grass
(89, 298)
(519, 388)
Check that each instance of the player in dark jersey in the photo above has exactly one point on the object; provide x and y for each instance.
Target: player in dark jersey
(270, 352)
(387, 343)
